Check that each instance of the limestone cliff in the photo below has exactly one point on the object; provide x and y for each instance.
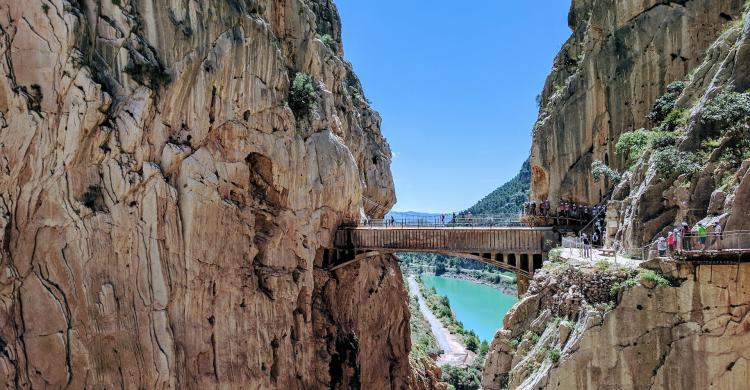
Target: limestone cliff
(658, 92)
(686, 330)
(620, 58)
(169, 175)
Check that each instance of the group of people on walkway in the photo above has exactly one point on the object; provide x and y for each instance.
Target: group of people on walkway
(566, 209)
(683, 238)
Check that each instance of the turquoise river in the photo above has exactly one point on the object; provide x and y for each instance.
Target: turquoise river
(479, 307)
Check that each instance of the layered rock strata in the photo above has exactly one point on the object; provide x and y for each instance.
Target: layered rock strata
(690, 333)
(619, 59)
(164, 211)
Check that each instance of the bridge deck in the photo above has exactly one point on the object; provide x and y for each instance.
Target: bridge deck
(520, 249)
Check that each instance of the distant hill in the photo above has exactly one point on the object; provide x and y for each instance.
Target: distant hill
(509, 197)
(414, 215)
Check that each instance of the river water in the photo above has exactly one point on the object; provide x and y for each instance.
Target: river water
(479, 307)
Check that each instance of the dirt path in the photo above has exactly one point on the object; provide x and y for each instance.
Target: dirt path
(454, 353)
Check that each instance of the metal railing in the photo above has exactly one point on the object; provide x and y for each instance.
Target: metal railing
(484, 220)
(731, 241)
(691, 245)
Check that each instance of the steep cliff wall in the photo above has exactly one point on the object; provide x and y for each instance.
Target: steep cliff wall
(620, 58)
(164, 199)
(669, 326)
(688, 330)
(700, 173)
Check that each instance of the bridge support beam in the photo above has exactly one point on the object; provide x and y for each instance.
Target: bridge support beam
(522, 283)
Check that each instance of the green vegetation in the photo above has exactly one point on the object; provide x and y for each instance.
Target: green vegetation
(615, 289)
(555, 255)
(462, 378)
(422, 339)
(303, 95)
(418, 263)
(328, 40)
(441, 307)
(554, 354)
(599, 170)
(509, 197)
(676, 118)
(633, 144)
(654, 277)
(467, 378)
(728, 118)
(148, 74)
(531, 336)
(727, 110)
(665, 104)
(663, 139)
(672, 162)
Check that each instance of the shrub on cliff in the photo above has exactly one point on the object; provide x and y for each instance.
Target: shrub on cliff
(328, 40)
(663, 140)
(654, 277)
(599, 170)
(303, 94)
(471, 341)
(462, 378)
(727, 110)
(554, 354)
(633, 144)
(676, 118)
(728, 116)
(666, 103)
(672, 162)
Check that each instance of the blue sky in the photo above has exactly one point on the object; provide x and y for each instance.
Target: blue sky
(456, 86)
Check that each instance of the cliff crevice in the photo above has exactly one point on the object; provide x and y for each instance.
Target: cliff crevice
(163, 208)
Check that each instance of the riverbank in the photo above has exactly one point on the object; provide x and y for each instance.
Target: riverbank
(454, 352)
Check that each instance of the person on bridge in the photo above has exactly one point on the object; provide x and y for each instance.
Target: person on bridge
(719, 235)
(702, 236)
(671, 242)
(686, 236)
(678, 240)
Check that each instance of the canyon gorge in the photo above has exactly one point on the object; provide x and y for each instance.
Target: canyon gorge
(172, 173)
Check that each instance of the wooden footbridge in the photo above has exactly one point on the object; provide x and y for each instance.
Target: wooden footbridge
(517, 249)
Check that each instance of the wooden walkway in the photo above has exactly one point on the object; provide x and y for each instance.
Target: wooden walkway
(724, 256)
(519, 249)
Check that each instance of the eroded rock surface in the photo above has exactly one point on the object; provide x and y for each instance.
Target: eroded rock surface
(620, 58)
(163, 211)
(689, 334)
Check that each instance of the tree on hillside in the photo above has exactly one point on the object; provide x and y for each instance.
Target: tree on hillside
(439, 268)
(509, 197)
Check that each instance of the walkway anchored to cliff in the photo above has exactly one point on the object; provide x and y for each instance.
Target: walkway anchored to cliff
(518, 249)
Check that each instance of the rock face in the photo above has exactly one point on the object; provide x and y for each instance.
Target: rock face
(718, 191)
(674, 327)
(694, 336)
(163, 211)
(620, 58)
